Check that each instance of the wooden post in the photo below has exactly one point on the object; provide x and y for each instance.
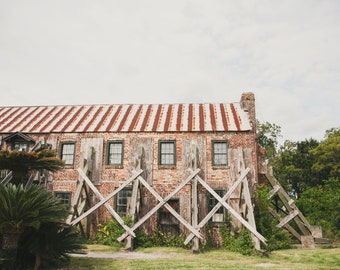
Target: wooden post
(194, 214)
(247, 198)
(133, 211)
(218, 205)
(194, 200)
(159, 205)
(232, 211)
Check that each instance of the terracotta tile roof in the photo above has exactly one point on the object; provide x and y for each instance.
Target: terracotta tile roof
(125, 118)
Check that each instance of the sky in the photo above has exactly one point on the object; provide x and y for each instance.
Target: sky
(65, 52)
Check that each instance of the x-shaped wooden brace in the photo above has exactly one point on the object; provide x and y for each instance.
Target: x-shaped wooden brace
(103, 201)
(222, 201)
(163, 202)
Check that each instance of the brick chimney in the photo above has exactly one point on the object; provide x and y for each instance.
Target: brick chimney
(248, 104)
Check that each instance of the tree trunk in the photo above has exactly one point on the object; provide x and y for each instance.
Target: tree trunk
(37, 262)
(10, 239)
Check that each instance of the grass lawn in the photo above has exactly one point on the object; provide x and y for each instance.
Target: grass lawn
(174, 258)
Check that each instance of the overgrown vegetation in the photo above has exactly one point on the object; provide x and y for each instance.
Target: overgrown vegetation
(32, 220)
(309, 171)
(108, 233)
(177, 258)
(266, 225)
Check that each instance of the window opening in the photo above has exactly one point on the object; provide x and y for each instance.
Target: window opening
(219, 215)
(167, 222)
(167, 153)
(122, 200)
(67, 153)
(115, 153)
(220, 153)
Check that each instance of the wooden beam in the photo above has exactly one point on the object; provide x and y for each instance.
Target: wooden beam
(286, 226)
(218, 205)
(30, 180)
(104, 200)
(274, 191)
(194, 212)
(159, 205)
(287, 218)
(247, 198)
(170, 209)
(133, 212)
(300, 220)
(232, 211)
(78, 192)
(7, 178)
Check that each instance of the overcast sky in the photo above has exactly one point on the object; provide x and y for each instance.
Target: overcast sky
(176, 51)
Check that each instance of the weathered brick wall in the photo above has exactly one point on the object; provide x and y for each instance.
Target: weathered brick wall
(163, 179)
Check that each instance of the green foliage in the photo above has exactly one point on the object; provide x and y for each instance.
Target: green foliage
(240, 241)
(35, 218)
(167, 239)
(321, 205)
(49, 246)
(293, 166)
(108, 232)
(276, 238)
(44, 159)
(327, 156)
(267, 135)
(21, 207)
(22, 163)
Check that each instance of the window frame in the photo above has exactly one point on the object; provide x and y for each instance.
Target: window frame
(62, 144)
(108, 148)
(221, 192)
(23, 146)
(214, 154)
(172, 225)
(58, 194)
(160, 154)
(118, 205)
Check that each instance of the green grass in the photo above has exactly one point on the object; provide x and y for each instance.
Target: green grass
(216, 259)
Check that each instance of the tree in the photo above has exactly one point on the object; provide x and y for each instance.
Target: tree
(22, 163)
(49, 246)
(293, 166)
(267, 135)
(327, 156)
(321, 205)
(32, 215)
(22, 208)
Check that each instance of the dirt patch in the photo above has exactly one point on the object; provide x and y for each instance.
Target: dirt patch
(121, 255)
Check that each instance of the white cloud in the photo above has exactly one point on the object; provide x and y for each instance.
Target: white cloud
(65, 52)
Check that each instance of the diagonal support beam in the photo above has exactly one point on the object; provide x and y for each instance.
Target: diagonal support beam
(232, 211)
(159, 205)
(287, 218)
(7, 178)
(218, 205)
(103, 201)
(170, 209)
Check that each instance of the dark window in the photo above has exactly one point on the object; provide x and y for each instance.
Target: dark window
(219, 153)
(219, 215)
(65, 198)
(67, 152)
(115, 153)
(20, 146)
(167, 153)
(122, 200)
(167, 222)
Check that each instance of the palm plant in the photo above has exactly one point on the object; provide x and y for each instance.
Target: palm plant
(50, 245)
(22, 208)
(22, 163)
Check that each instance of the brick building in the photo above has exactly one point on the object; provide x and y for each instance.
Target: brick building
(166, 141)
